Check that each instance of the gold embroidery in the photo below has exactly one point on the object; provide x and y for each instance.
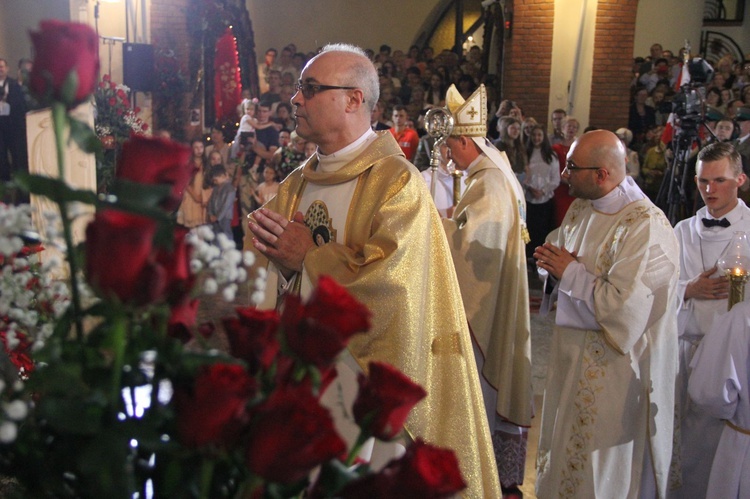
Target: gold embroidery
(589, 385)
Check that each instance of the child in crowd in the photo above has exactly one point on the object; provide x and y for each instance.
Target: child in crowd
(268, 188)
(221, 202)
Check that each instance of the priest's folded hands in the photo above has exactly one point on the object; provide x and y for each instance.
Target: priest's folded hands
(284, 242)
(553, 259)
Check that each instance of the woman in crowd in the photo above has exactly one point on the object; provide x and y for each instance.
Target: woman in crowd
(633, 165)
(192, 210)
(510, 141)
(562, 197)
(642, 116)
(436, 92)
(541, 181)
(714, 99)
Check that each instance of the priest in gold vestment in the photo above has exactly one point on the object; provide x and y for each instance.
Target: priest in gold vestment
(487, 237)
(608, 411)
(359, 212)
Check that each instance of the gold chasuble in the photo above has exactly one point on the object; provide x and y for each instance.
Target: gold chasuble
(393, 257)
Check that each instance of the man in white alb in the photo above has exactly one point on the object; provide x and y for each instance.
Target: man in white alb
(702, 295)
(608, 411)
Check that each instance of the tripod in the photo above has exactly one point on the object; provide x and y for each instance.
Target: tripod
(672, 197)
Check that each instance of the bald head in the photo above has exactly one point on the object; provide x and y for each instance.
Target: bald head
(600, 157)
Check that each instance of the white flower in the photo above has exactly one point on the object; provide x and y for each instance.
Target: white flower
(249, 258)
(195, 266)
(210, 287)
(8, 432)
(257, 297)
(2, 386)
(11, 338)
(16, 409)
(230, 292)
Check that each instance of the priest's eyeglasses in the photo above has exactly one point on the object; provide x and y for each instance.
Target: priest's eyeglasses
(310, 89)
(570, 166)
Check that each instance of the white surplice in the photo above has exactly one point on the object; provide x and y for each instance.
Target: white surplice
(720, 383)
(701, 247)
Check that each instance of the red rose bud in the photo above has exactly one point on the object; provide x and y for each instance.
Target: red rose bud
(290, 434)
(181, 318)
(252, 337)
(178, 280)
(156, 161)
(63, 49)
(212, 413)
(384, 400)
(331, 305)
(318, 331)
(426, 471)
(118, 249)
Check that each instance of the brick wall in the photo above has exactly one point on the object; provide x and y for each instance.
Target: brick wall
(526, 78)
(613, 61)
(528, 52)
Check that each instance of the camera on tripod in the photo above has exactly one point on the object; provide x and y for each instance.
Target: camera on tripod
(688, 104)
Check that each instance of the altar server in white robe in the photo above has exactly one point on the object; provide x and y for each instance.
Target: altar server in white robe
(720, 384)
(608, 410)
(702, 293)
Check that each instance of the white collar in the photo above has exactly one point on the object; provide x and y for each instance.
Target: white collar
(618, 198)
(334, 161)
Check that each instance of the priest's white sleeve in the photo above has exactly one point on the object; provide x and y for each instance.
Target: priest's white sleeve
(575, 299)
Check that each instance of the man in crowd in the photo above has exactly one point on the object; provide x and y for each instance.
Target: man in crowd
(264, 69)
(608, 413)
(557, 136)
(383, 241)
(13, 155)
(486, 235)
(407, 138)
(376, 118)
(742, 144)
(703, 290)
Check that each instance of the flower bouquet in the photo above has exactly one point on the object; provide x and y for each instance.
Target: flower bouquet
(122, 394)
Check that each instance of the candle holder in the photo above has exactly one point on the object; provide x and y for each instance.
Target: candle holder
(735, 262)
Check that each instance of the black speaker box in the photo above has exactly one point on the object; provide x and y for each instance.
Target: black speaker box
(138, 66)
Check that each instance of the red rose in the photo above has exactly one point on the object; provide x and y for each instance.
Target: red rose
(290, 435)
(118, 249)
(317, 332)
(182, 317)
(112, 101)
(384, 400)
(331, 305)
(156, 161)
(252, 337)
(213, 412)
(423, 471)
(428, 471)
(62, 48)
(175, 261)
(106, 77)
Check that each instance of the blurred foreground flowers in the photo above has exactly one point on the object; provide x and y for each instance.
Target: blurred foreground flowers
(114, 391)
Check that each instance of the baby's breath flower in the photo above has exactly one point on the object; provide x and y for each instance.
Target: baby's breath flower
(16, 409)
(210, 286)
(8, 432)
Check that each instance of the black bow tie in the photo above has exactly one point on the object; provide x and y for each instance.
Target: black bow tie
(712, 222)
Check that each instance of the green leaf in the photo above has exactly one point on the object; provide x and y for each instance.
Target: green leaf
(334, 476)
(82, 134)
(54, 189)
(69, 88)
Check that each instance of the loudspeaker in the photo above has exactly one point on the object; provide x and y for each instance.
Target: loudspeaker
(138, 66)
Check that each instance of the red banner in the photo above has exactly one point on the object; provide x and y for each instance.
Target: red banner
(227, 86)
